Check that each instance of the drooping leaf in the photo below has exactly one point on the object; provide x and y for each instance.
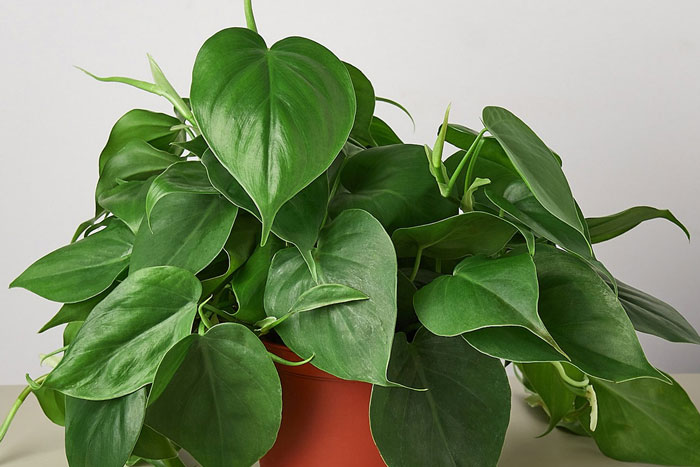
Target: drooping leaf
(382, 133)
(365, 100)
(152, 127)
(647, 421)
(292, 106)
(583, 315)
(187, 231)
(127, 201)
(558, 400)
(535, 163)
(470, 233)
(183, 177)
(53, 404)
(103, 432)
(218, 396)
(71, 312)
(81, 270)
(196, 146)
(298, 220)
(653, 316)
(460, 420)
(605, 228)
(351, 340)
(398, 106)
(393, 184)
(118, 348)
(482, 293)
(153, 445)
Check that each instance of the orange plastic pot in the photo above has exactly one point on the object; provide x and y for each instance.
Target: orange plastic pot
(325, 420)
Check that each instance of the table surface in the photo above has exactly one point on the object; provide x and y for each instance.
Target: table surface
(33, 441)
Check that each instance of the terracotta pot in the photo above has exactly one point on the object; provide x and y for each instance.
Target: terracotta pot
(325, 420)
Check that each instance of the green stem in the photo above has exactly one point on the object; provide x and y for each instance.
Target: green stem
(200, 309)
(463, 162)
(282, 361)
(416, 265)
(567, 379)
(334, 188)
(15, 407)
(51, 354)
(249, 18)
(472, 163)
(438, 266)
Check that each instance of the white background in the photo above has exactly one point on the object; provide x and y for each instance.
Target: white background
(612, 86)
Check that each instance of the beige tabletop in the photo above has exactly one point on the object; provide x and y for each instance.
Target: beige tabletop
(33, 441)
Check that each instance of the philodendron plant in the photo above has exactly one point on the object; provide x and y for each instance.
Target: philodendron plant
(273, 205)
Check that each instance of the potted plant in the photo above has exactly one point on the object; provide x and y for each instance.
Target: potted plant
(272, 240)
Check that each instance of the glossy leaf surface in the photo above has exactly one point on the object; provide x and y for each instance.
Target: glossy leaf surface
(460, 420)
(118, 348)
(351, 340)
(605, 228)
(127, 201)
(82, 269)
(103, 432)
(393, 184)
(218, 390)
(72, 312)
(365, 100)
(292, 108)
(382, 133)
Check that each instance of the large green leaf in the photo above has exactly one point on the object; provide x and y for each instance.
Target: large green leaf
(482, 293)
(127, 201)
(605, 228)
(275, 118)
(72, 312)
(585, 318)
(557, 398)
(393, 184)
(535, 163)
(187, 230)
(298, 220)
(350, 340)
(364, 95)
(653, 316)
(82, 269)
(648, 421)
(144, 125)
(103, 432)
(218, 396)
(460, 420)
(118, 348)
(471, 233)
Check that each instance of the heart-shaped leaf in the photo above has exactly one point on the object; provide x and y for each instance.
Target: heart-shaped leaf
(364, 95)
(460, 420)
(393, 184)
(535, 163)
(103, 432)
(605, 228)
(218, 396)
(647, 421)
(471, 233)
(82, 269)
(482, 293)
(187, 230)
(351, 340)
(275, 118)
(127, 334)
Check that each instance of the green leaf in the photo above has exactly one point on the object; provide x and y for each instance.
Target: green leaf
(647, 421)
(118, 348)
(72, 312)
(558, 400)
(585, 318)
(188, 177)
(53, 404)
(248, 282)
(196, 146)
(394, 184)
(471, 233)
(460, 420)
(103, 432)
(152, 127)
(293, 106)
(351, 340)
(324, 295)
(186, 231)
(127, 201)
(309, 204)
(398, 106)
(365, 100)
(382, 133)
(405, 291)
(535, 163)
(82, 269)
(482, 293)
(605, 228)
(218, 396)
(653, 316)
(137, 160)
(153, 445)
